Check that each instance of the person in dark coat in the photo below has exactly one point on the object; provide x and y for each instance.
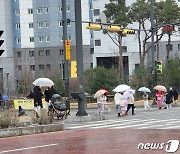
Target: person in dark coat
(37, 97)
(168, 100)
(49, 92)
(175, 94)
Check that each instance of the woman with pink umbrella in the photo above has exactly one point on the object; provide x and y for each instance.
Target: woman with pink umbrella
(160, 94)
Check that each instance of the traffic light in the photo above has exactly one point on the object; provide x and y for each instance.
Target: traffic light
(159, 67)
(73, 69)
(114, 28)
(1, 42)
(128, 31)
(94, 26)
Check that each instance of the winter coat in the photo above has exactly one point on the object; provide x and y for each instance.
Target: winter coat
(117, 98)
(37, 96)
(49, 93)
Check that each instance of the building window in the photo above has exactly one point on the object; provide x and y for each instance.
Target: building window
(69, 37)
(19, 68)
(18, 40)
(48, 66)
(47, 24)
(31, 25)
(31, 53)
(30, 11)
(17, 12)
(47, 52)
(96, 12)
(46, 10)
(60, 9)
(170, 47)
(124, 48)
(179, 47)
(67, 8)
(47, 39)
(91, 65)
(32, 67)
(41, 38)
(18, 53)
(61, 52)
(40, 10)
(31, 39)
(18, 26)
(91, 50)
(90, 6)
(97, 42)
(60, 23)
(41, 67)
(137, 66)
(41, 52)
(40, 24)
(61, 37)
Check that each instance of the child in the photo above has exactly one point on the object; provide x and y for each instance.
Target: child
(146, 101)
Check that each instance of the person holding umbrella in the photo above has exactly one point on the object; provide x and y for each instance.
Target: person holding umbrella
(146, 101)
(100, 95)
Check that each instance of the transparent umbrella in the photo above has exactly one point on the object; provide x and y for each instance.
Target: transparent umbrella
(121, 88)
(43, 82)
(144, 89)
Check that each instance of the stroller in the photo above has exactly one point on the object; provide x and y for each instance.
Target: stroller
(57, 107)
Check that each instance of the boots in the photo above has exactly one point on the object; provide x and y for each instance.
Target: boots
(119, 115)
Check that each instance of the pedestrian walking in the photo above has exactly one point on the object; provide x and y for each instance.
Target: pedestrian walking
(130, 102)
(123, 106)
(37, 99)
(175, 94)
(168, 99)
(101, 100)
(159, 96)
(146, 101)
(117, 100)
(49, 92)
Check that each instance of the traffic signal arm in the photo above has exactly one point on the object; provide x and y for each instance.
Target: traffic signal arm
(128, 31)
(114, 28)
(1, 42)
(94, 26)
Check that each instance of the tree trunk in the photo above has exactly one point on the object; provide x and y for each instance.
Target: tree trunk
(121, 67)
(169, 45)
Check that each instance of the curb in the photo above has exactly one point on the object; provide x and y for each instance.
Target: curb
(9, 132)
(86, 118)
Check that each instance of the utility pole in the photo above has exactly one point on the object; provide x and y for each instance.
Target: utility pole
(79, 57)
(152, 41)
(66, 64)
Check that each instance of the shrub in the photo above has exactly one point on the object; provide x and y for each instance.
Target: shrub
(8, 118)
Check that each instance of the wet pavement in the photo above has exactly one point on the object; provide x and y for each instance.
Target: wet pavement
(92, 141)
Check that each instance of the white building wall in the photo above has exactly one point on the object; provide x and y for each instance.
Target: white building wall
(85, 17)
(25, 19)
(108, 47)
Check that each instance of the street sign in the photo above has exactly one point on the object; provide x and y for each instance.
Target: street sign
(68, 49)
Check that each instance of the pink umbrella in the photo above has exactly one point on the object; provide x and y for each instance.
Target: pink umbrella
(100, 92)
(129, 93)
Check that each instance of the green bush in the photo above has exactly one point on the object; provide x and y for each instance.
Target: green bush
(100, 77)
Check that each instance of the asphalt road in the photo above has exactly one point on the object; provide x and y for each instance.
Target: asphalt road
(148, 132)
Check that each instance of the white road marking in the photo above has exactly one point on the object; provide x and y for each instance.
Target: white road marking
(29, 148)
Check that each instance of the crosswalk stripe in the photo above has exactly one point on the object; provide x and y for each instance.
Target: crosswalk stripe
(133, 123)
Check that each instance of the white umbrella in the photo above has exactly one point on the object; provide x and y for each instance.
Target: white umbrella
(121, 88)
(144, 89)
(43, 82)
(160, 88)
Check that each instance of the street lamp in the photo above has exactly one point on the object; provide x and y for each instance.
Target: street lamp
(7, 75)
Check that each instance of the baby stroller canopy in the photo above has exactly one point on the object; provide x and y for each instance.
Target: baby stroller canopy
(56, 97)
